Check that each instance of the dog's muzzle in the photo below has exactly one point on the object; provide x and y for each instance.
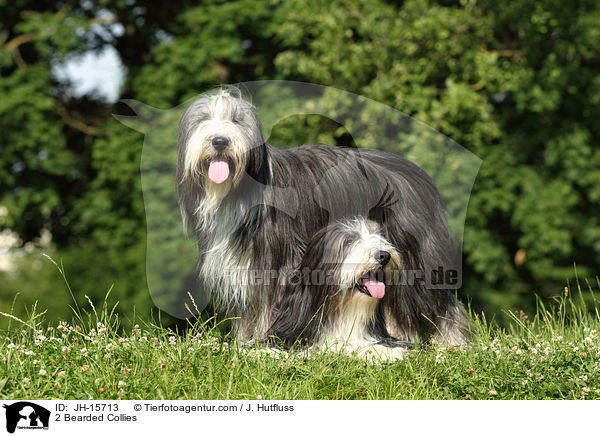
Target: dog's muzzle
(220, 143)
(382, 257)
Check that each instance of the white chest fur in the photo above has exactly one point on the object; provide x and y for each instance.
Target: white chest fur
(349, 333)
(226, 265)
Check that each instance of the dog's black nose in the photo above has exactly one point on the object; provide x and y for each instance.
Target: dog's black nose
(220, 143)
(382, 257)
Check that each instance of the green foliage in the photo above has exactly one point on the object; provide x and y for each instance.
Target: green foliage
(33, 151)
(207, 49)
(90, 273)
(509, 83)
(516, 83)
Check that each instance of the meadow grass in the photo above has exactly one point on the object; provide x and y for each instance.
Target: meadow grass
(553, 354)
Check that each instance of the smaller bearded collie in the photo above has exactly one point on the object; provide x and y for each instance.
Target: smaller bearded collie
(332, 302)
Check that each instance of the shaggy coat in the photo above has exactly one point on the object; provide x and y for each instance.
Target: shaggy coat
(260, 219)
(336, 298)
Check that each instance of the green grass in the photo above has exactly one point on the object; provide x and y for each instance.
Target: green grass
(553, 354)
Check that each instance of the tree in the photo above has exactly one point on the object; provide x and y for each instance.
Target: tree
(515, 83)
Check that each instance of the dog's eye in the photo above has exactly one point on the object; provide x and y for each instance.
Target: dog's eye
(347, 243)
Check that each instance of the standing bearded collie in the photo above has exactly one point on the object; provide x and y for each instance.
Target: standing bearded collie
(253, 209)
(336, 298)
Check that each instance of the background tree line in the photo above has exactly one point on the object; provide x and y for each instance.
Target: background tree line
(516, 83)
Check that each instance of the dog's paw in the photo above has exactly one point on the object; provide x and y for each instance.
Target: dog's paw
(378, 352)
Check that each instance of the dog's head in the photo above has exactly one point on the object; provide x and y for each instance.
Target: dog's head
(362, 257)
(219, 137)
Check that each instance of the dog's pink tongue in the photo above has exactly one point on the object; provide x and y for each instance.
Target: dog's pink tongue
(375, 288)
(218, 171)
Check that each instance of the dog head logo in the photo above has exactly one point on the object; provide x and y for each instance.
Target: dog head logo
(26, 415)
(215, 147)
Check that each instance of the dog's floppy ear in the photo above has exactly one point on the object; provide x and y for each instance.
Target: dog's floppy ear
(299, 314)
(304, 304)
